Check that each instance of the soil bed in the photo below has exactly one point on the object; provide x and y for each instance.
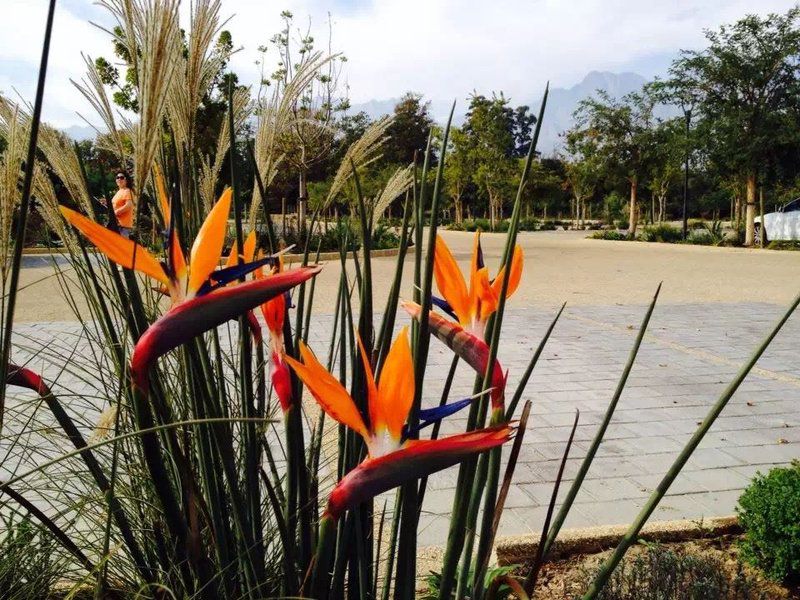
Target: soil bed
(569, 577)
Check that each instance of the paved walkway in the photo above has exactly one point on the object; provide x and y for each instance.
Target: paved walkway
(690, 353)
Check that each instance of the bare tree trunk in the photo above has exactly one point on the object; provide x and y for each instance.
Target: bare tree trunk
(458, 210)
(750, 214)
(634, 208)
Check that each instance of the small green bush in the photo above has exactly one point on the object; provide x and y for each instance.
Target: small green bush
(529, 224)
(769, 513)
(661, 233)
(622, 223)
(609, 234)
(664, 574)
(699, 237)
(784, 245)
(614, 209)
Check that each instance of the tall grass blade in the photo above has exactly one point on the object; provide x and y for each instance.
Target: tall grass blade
(22, 216)
(407, 543)
(483, 562)
(601, 431)
(530, 580)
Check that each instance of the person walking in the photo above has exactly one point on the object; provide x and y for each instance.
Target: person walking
(122, 204)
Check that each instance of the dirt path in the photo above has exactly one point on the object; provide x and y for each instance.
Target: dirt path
(559, 266)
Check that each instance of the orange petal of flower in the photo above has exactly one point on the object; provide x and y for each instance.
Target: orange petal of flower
(450, 280)
(377, 419)
(122, 251)
(484, 298)
(516, 274)
(327, 391)
(396, 385)
(207, 247)
(247, 255)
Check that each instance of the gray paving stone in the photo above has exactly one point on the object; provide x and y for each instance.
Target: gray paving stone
(690, 353)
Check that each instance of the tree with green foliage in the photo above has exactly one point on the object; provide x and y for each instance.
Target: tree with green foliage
(619, 134)
(310, 138)
(409, 130)
(664, 169)
(747, 89)
(582, 178)
(458, 170)
(489, 127)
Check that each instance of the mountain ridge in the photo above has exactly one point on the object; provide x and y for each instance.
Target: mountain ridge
(561, 103)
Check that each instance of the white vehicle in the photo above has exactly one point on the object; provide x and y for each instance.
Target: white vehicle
(783, 224)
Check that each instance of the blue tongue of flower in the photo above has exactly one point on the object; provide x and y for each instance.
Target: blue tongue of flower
(223, 277)
(429, 416)
(444, 305)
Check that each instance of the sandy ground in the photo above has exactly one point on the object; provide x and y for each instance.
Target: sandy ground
(559, 266)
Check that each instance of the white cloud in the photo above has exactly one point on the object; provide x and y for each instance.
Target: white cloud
(442, 48)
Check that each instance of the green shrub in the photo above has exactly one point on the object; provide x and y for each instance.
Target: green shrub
(529, 224)
(699, 237)
(661, 233)
(784, 245)
(384, 237)
(27, 566)
(609, 234)
(547, 226)
(622, 223)
(614, 208)
(456, 226)
(769, 513)
(663, 574)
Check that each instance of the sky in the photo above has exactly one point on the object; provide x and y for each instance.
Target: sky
(445, 49)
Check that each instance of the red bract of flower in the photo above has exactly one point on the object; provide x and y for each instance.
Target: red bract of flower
(470, 348)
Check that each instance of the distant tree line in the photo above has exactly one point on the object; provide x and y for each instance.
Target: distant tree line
(738, 125)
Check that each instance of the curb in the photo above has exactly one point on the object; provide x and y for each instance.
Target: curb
(515, 550)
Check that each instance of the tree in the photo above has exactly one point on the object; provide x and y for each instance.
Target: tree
(582, 177)
(458, 170)
(668, 150)
(746, 84)
(618, 133)
(310, 138)
(409, 130)
(489, 127)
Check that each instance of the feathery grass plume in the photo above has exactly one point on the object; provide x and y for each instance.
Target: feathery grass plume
(361, 153)
(208, 176)
(397, 185)
(91, 87)
(151, 32)
(44, 191)
(59, 151)
(14, 131)
(194, 73)
(275, 117)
